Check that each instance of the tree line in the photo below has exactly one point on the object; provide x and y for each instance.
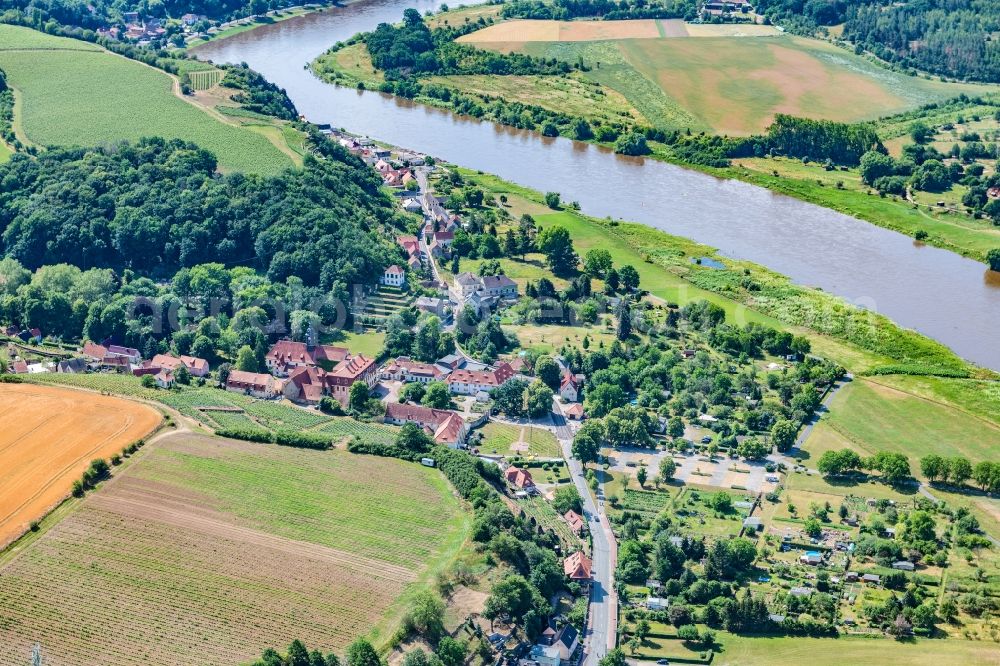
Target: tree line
(954, 39)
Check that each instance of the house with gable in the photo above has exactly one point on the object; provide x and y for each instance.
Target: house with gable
(470, 382)
(343, 376)
(258, 385)
(570, 385)
(394, 276)
(443, 425)
(578, 567)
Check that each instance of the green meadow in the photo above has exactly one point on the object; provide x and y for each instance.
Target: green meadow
(74, 93)
(876, 417)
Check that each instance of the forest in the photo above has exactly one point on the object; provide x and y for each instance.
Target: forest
(945, 37)
(157, 206)
(257, 93)
(413, 48)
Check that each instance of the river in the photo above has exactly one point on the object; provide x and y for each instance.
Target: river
(947, 297)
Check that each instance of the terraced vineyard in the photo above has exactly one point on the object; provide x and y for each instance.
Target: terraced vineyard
(205, 551)
(343, 427)
(381, 305)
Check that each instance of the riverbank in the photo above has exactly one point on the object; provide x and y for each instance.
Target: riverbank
(249, 23)
(862, 341)
(950, 227)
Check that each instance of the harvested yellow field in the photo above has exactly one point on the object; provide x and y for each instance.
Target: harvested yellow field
(48, 436)
(530, 30)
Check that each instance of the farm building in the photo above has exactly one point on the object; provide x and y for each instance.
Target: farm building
(405, 369)
(255, 384)
(198, 367)
(444, 425)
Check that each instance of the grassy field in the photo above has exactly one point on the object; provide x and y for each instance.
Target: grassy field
(746, 651)
(498, 439)
(74, 93)
(550, 338)
(206, 551)
(877, 417)
(728, 84)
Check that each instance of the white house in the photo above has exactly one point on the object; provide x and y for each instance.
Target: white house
(569, 386)
(394, 276)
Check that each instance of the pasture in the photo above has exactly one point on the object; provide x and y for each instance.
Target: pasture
(75, 93)
(48, 436)
(723, 79)
(747, 651)
(205, 551)
(877, 417)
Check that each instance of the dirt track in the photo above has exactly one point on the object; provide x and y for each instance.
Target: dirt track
(48, 436)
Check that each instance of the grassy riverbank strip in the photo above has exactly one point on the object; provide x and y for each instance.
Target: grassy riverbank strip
(865, 342)
(239, 26)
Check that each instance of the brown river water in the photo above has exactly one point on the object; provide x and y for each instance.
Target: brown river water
(947, 297)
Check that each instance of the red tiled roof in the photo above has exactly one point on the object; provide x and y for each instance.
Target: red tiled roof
(577, 566)
(395, 270)
(411, 367)
(350, 370)
(291, 352)
(241, 379)
(519, 478)
(574, 410)
(443, 424)
(94, 351)
(494, 377)
(575, 521)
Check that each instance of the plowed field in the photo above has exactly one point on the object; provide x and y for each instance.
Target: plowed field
(204, 551)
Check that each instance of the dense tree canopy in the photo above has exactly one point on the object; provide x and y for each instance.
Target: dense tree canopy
(157, 205)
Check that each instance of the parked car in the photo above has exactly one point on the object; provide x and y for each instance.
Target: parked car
(706, 440)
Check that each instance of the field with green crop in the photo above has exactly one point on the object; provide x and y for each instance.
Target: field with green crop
(727, 84)
(74, 93)
(206, 551)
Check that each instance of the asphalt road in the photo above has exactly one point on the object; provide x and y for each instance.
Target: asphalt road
(602, 626)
